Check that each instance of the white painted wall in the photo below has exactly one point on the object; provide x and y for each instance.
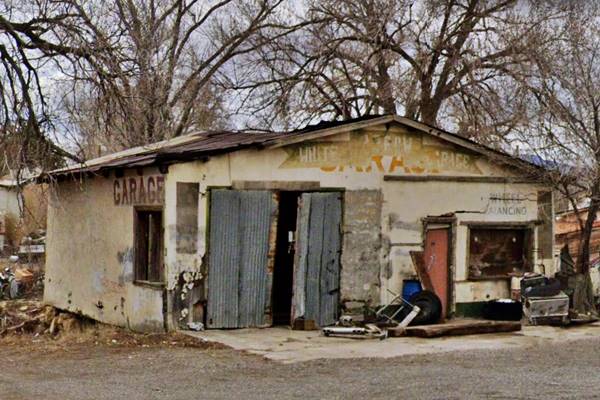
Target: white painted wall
(88, 234)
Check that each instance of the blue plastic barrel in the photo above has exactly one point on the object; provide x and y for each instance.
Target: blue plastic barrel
(410, 287)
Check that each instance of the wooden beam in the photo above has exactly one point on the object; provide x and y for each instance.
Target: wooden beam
(456, 328)
(502, 224)
(461, 179)
(276, 185)
(421, 269)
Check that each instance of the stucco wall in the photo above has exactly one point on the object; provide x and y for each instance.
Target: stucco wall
(9, 201)
(382, 218)
(90, 238)
(89, 259)
(406, 203)
(9, 208)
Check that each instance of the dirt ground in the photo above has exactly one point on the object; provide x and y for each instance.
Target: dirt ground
(82, 359)
(160, 371)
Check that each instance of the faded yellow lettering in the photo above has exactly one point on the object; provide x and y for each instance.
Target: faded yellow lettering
(368, 152)
(378, 163)
(395, 163)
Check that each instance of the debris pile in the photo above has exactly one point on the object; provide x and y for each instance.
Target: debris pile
(33, 246)
(30, 317)
(30, 321)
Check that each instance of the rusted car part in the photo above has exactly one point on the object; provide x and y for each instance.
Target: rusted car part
(368, 331)
(345, 326)
(547, 310)
(399, 302)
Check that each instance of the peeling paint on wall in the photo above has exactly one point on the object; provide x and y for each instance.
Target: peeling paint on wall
(394, 222)
(125, 258)
(189, 299)
(361, 261)
(390, 151)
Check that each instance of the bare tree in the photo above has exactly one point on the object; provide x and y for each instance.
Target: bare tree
(129, 72)
(156, 82)
(563, 122)
(422, 59)
(27, 43)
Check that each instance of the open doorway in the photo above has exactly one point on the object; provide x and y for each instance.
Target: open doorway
(284, 258)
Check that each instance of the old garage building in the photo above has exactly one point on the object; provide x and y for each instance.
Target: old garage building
(250, 230)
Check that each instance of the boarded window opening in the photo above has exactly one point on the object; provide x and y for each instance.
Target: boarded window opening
(187, 217)
(148, 246)
(498, 252)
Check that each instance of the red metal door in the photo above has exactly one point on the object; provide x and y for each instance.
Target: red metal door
(436, 263)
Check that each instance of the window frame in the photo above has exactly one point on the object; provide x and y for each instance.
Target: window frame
(141, 267)
(528, 248)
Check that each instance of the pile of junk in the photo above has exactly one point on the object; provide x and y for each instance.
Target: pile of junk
(416, 305)
(413, 306)
(565, 299)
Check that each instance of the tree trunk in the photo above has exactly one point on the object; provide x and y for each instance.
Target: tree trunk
(583, 253)
(384, 83)
(429, 112)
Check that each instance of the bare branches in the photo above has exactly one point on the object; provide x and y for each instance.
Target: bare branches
(563, 104)
(26, 41)
(415, 58)
(128, 72)
(159, 79)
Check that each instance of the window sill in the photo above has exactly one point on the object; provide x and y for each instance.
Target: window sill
(151, 285)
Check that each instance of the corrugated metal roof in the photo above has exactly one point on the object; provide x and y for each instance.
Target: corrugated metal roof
(186, 147)
(201, 144)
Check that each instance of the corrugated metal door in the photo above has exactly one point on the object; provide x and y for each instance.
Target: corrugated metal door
(240, 223)
(317, 269)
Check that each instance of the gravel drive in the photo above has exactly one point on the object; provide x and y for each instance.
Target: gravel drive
(568, 371)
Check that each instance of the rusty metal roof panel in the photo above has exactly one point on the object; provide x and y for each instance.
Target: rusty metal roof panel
(203, 144)
(194, 145)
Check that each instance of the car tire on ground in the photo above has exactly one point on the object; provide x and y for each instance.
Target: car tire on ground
(430, 305)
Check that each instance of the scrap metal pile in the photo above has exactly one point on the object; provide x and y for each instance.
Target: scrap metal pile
(543, 300)
(19, 281)
(423, 307)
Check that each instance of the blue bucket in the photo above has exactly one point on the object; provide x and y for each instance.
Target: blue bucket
(410, 287)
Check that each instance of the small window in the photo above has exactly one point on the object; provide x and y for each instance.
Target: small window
(148, 246)
(498, 252)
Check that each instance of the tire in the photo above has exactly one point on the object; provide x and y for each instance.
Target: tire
(430, 305)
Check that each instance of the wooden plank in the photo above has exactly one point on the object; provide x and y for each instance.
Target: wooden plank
(419, 263)
(458, 328)
(461, 179)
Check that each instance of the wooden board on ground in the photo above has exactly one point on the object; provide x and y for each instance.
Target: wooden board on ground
(421, 269)
(456, 328)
